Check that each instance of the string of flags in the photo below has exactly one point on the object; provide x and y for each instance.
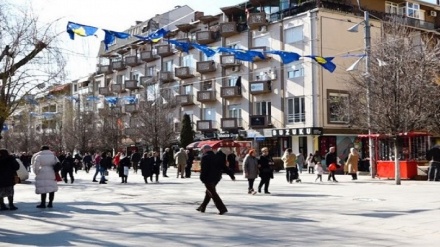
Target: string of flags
(239, 54)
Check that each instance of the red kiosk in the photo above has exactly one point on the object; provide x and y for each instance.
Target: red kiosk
(412, 154)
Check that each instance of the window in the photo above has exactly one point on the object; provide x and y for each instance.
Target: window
(152, 92)
(413, 10)
(232, 81)
(262, 41)
(335, 104)
(263, 108)
(151, 71)
(294, 34)
(75, 87)
(187, 90)
(119, 79)
(187, 61)
(234, 111)
(296, 71)
(209, 114)
(391, 8)
(296, 110)
(167, 66)
(206, 85)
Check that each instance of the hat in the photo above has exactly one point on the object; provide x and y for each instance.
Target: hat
(206, 147)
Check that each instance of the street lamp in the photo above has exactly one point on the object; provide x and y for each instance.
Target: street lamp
(367, 38)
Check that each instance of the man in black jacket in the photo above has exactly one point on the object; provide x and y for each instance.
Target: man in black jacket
(210, 175)
(331, 163)
(135, 158)
(433, 155)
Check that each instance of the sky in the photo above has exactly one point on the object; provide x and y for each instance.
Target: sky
(109, 14)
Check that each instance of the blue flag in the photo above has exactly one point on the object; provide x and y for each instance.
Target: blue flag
(130, 99)
(184, 46)
(111, 35)
(92, 98)
(286, 57)
(111, 100)
(203, 48)
(79, 29)
(325, 62)
(154, 37)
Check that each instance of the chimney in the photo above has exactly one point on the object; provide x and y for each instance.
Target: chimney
(138, 22)
(199, 14)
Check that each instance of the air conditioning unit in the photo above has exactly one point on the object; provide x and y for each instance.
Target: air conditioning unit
(433, 13)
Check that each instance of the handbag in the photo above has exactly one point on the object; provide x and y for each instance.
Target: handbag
(17, 179)
(332, 167)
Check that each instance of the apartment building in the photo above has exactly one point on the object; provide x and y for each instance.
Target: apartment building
(273, 104)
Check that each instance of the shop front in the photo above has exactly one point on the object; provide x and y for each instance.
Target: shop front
(301, 140)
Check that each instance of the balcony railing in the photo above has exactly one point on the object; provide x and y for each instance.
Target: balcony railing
(118, 65)
(260, 87)
(164, 50)
(206, 96)
(147, 80)
(131, 84)
(228, 29)
(257, 20)
(149, 56)
(130, 108)
(166, 76)
(259, 121)
(132, 61)
(206, 125)
(205, 37)
(231, 123)
(117, 88)
(296, 118)
(228, 61)
(230, 92)
(183, 72)
(105, 69)
(185, 99)
(104, 91)
(206, 67)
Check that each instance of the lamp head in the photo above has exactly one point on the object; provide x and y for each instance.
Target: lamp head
(354, 29)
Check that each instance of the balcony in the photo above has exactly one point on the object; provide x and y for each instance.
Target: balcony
(149, 56)
(206, 37)
(256, 20)
(131, 108)
(105, 69)
(261, 49)
(206, 67)
(104, 91)
(259, 121)
(166, 76)
(183, 72)
(260, 87)
(117, 88)
(230, 92)
(118, 65)
(185, 99)
(206, 96)
(206, 125)
(185, 41)
(231, 123)
(422, 24)
(229, 61)
(131, 84)
(132, 61)
(164, 50)
(115, 110)
(147, 80)
(228, 29)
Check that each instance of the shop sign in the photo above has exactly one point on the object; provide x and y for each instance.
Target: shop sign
(297, 132)
(227, 135)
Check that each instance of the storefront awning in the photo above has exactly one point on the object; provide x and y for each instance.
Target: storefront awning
(214, 144)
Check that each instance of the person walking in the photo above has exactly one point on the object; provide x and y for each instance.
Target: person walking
(330, 161)
(265, 166)
(43, 164)
(135, 158)
(189, 163)
(67, 168)
(300, 161)
(310, 164)
(87, 161)
(123, 168)
(433, 155)
(181, 157)
(210, 175)
(352, 163)
(165, 162)
(232, 161)
(97, 161)
(146, 166)
(104, 165)
(289, 160)
(8, 171)
(319, 171)
(156, 166)
(250, 169)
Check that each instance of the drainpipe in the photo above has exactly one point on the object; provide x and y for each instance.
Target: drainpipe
(315, 84)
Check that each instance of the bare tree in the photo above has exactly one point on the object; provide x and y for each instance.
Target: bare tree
(403, 90)
(29, 57)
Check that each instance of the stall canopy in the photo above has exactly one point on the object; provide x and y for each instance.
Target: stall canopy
(214, 144)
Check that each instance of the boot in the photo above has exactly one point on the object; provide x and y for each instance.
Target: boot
(51, 197)
(43, 201)
(146, 180)
(2, 205)
(11, 203)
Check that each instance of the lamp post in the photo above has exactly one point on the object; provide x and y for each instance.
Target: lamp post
(367, 38)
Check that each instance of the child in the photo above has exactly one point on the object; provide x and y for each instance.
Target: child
(319, 171)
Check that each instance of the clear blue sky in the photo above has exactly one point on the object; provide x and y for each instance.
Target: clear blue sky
(109, 14)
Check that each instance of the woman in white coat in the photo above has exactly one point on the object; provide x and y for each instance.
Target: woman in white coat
(43, 163)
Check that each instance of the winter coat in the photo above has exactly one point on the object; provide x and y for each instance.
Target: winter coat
(181, 157)
(211, 169)
(67, 164)
(165, 159)
(232, 161)
(8, 170)
(250, 167)
(43, 163)
(330, 158)
(433, 154)
(289, 160)
(156, 164)
(265, 167)
(221, 156)
(352, 163)
(124, 162)
(136, 157)
(146, 165)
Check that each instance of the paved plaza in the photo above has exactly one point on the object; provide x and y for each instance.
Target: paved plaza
(367, 212)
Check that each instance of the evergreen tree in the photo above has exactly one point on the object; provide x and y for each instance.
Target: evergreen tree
(187, 133)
